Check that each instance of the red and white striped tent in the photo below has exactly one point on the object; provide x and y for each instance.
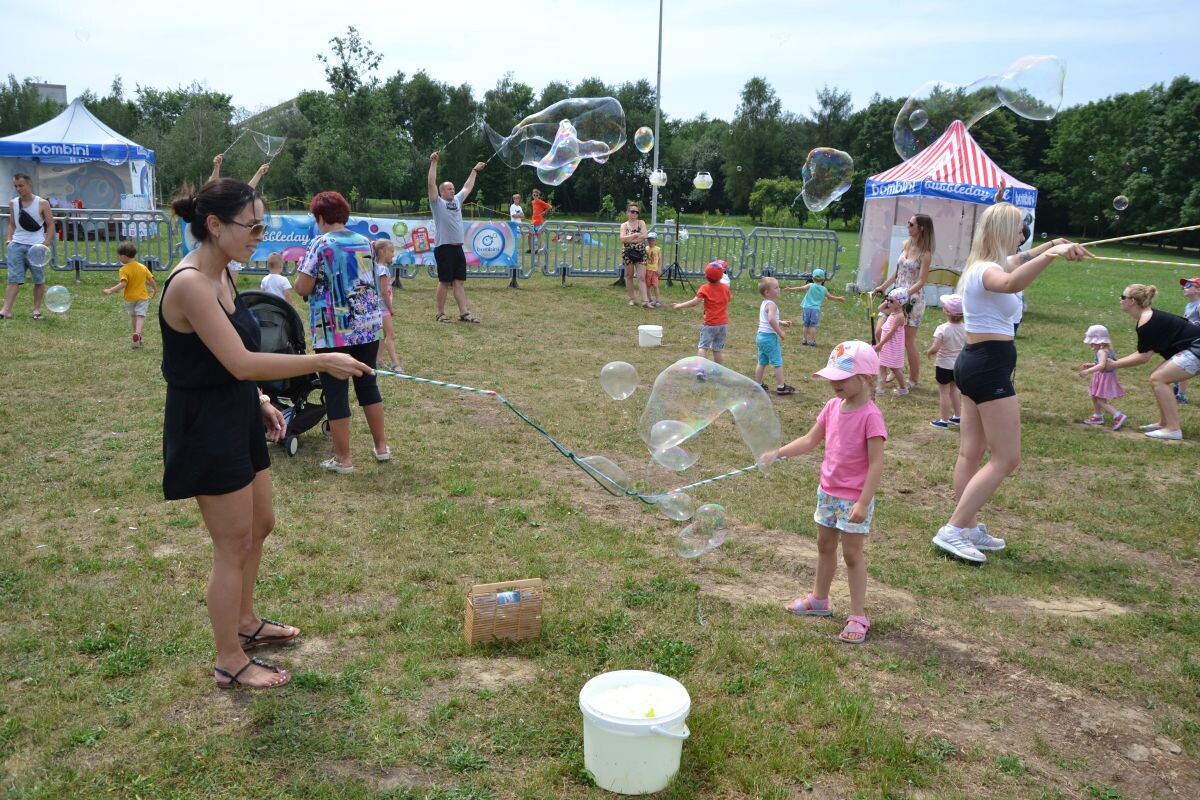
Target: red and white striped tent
(952, 180)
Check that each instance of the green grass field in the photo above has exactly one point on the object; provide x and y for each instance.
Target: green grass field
(1067, 667)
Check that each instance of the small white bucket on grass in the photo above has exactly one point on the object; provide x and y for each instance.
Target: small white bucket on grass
(634, 724)
(649, 335)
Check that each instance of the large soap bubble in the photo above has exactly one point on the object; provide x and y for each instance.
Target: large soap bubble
(1121, 202)
(827, 175)
(691, 394)
(607, 474)
(618, 379)
(566, 151)
(643, 139)
(928, 112)
(675, 505)
(114, 153)
(599, 130)
(58, 299)
(38, 255)
(1032, 86)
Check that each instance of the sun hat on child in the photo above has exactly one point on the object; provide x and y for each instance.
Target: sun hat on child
(651, 235)
(1096, 334)
(899, 294)
(952, 303)
(848, 359)
(818, 273)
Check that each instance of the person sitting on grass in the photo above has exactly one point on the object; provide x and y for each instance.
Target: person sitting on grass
(134, 276)
(852, 429)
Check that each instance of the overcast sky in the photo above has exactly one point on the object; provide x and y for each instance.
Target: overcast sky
(264, 53)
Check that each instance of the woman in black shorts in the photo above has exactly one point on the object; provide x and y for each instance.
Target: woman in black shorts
(633, 253)
(991, 418)
(214, 431)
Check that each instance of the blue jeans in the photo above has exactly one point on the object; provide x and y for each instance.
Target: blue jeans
(17, 264)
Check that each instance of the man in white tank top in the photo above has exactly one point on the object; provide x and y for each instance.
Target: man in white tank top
(30, 222)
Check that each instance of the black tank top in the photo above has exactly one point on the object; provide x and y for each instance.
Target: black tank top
(187, 362)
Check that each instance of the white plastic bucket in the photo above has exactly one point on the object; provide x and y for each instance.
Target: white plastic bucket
(634, 724)
(649, 335)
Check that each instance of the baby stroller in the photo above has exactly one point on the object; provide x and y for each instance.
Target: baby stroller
(283, 332)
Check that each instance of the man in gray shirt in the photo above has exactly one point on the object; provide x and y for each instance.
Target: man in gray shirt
(446, 206)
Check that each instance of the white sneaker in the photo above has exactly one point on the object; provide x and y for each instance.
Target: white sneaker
(955, 542)
(1164, 434)
(978, 536)
(1149, 426)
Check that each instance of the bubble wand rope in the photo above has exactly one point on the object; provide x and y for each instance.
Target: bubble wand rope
(606, 484)
(225, 152)
(1191, 265)
(460, 133)
(1141, 235)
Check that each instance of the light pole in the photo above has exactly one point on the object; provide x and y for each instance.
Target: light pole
(657, 116)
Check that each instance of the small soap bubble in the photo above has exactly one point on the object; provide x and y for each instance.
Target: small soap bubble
(706, 533)
(618, 379)
(1120, 202)
(658, 178)
(678, 506)
(1091, 158)
(83, 34)
(643, 139)
(114, 153)
(607, 473)
(1145, 169)
(739, 167)
(58, 299)
(918, 119)
(37, 255)
(675, 458)
(1044, 236)
(1093, 173)
(683, 235)
(669, 433)
(1096, 218)
(827, 176)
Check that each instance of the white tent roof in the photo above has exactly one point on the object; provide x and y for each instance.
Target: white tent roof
(70, 137)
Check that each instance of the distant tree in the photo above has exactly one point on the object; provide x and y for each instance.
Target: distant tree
(756, 145)
(114, 110)
(21, 108)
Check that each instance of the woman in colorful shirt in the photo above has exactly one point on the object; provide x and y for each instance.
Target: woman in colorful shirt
(345, 316)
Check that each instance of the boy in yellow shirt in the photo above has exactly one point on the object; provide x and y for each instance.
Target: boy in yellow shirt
(651, 268)
(134, 277)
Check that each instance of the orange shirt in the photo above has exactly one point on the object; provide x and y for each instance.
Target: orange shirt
(716, 298)
(540, 207)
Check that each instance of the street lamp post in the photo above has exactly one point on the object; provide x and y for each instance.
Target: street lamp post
(657, 116)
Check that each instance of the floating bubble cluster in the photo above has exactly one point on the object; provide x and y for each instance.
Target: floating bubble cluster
(618, 379)
(599, 131)
(658, 178)
(1030, 87)
(707, 532)
(693, 392)
(643, 139)
(827, 175)
(58, 299)
(1120, 202)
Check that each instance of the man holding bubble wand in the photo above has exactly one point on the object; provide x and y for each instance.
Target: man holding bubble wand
(446, 207)
(30, 231)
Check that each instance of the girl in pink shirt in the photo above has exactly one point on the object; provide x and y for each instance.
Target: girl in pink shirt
(891, 341)
(851, 427)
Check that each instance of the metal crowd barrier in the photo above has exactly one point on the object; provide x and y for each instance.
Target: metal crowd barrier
(790, 252)
(86, 239)
(563, 249)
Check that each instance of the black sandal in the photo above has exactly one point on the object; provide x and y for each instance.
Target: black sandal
(253, 640)
(234, 683)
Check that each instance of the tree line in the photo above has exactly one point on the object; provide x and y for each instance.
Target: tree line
(369, 138)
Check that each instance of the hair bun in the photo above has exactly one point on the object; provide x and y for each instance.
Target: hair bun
(185, 207)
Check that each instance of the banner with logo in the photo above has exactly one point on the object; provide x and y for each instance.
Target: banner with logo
(485, 243)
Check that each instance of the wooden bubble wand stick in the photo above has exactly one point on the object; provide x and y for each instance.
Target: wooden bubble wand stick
(1141, 235)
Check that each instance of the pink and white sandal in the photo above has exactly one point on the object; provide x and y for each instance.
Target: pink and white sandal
(810, 606)
(856, 629)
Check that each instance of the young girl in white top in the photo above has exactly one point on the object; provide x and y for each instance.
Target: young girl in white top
(991, 418)
(948, 341)
(1104, 386)
(385, 253)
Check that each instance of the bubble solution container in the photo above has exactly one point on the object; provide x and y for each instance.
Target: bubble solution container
(634, 724)
(649, 335)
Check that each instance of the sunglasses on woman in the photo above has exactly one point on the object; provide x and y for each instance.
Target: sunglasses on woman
(255, 228)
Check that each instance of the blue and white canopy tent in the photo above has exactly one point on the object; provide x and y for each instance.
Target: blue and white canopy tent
(77, 157)
(953, 181)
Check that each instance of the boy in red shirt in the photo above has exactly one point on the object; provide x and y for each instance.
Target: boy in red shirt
(715, 296)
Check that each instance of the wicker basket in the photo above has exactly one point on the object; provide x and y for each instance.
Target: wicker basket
(511, 610)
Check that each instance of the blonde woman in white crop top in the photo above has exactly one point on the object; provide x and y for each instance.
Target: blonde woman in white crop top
(991, 417)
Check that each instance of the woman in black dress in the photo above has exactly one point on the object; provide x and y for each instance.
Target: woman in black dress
(216, 425)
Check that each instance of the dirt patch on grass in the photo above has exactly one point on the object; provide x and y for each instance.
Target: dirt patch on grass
(392, 779)
(476, 674)
(1076, 607)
